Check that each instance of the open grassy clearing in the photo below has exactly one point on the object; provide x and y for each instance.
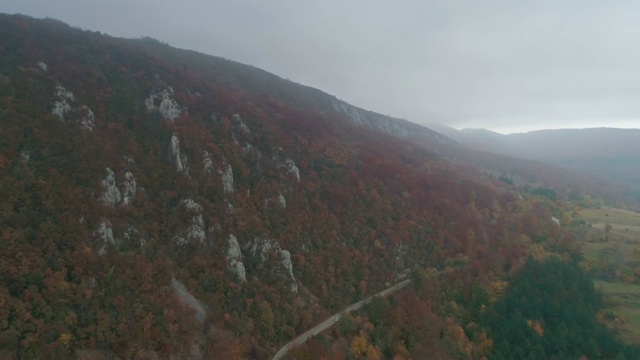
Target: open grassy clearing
(620, 242)
(608, 215)
(623, 300)
(611, 240)
(616, 250)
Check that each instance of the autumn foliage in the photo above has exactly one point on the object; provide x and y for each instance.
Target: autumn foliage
(368, 210)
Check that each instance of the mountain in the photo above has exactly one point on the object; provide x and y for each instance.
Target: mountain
(162, 203)
(603, 152)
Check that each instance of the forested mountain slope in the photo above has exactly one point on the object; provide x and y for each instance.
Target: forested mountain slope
(160, 203)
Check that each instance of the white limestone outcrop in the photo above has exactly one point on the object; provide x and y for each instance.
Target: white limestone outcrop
(282, 201)
(237, 120)
(196, 229)
(43, 66)
(264, 247)
(191, 205)
(291, 167)
(104, 233)
(227, 177)
(175, 155)
(129, 188)
(112, 194)
(162, 101)
(207, 163)
(86, 119)
(287, 164)
(234, 259)
(371, 120)
(63, 107)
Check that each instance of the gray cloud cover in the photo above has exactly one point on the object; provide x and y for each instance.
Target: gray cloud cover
(503, 65)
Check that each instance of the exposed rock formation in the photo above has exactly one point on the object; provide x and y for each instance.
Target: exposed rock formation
(63, 106)
(263, 248)
(392, 126)
(207, 163)
(282, 201)
(128, 188)
(287, 164)
(238, 121)
(104, 233)
(371, 120)
(111, 194)
(163, 102)
(227, 177)
(196, 229)
(191, 205)
(234, 259)
(86, 118)
(291, 167)
(179, 160)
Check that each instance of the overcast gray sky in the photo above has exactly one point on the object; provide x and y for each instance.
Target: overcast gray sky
(511, 65)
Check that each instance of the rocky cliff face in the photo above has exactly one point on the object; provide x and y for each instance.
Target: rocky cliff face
(234, 259)
(270, 251)
(161, 100)
(175, 155)
(395, 127)
(129, 188)
(195, 230)
(63, 109)
(226, 175)
(111, 194)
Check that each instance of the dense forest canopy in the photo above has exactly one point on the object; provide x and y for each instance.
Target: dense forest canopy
(163, 203)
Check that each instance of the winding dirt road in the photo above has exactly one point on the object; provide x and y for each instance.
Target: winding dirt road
(334, 318)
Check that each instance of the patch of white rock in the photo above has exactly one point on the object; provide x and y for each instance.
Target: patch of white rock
(234, 259)
(43, 66)
(162, 101)
(263, 247)
(227, 177)
(128, 188)
(175, 155)
(105, 234)
(63, 107)
(196, 230)
(112, 194)
(289, 165)
(207, 163)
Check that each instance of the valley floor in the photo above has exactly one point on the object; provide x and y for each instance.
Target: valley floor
(611, 247)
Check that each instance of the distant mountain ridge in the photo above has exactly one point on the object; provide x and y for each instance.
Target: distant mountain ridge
(608, 153)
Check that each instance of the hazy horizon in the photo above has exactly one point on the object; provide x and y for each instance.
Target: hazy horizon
(525, 129)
